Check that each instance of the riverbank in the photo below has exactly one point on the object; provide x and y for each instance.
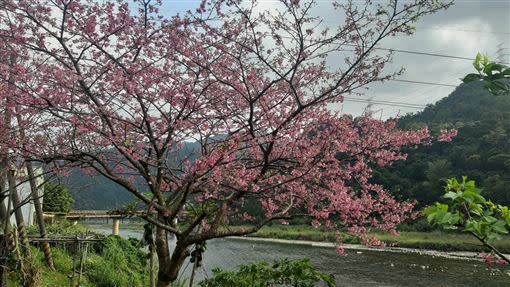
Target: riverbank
(358, 248)
(435, 240)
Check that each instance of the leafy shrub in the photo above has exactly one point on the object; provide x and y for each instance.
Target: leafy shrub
(119, 262)
(296, 273)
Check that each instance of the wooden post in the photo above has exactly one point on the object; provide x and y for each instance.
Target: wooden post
(82, 261)
(116, 226)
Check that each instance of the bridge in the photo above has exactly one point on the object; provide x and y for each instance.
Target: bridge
(75, 215)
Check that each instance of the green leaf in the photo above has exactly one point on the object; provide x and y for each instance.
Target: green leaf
(485, 59)
(506, 72)
(499, 227)
(476, 209)
(491, 67)
(472, 195)
(473, 226)
(471, 77)
(476, 63)
(451, 195)
(490, 219)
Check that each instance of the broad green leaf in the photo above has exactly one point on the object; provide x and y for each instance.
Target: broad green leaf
(476, 209)
(473, 226)
(492, 67)
(490, 219)
(451, 195)
(471, 77)
(499, 227)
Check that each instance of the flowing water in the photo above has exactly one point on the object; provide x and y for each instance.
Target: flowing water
(358, 268)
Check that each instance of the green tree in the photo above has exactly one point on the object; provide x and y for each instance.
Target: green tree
(57, 198)
(467, 210)
(492, 74)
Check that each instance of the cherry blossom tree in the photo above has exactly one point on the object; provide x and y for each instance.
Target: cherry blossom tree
(125, 94)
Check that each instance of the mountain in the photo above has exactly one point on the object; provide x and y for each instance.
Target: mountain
(98, 193)
(480, 151)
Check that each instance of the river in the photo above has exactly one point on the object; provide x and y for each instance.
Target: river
(358, 268)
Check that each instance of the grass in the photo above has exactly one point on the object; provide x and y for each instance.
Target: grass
(114, 262)
(61, 276)
(118, 263)
(437, 240)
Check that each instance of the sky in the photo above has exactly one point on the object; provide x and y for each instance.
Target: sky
(468, 27)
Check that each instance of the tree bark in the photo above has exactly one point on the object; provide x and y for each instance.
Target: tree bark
(3, 260)
(152, 263)
(16, 204)
(4, 198)
(39, 215)
(169, 266)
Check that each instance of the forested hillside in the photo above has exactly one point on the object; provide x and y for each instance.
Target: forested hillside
(97, 192)
(481, 149)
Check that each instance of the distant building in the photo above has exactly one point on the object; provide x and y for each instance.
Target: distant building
(23, 189)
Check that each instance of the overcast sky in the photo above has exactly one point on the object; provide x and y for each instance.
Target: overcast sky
(466, 28)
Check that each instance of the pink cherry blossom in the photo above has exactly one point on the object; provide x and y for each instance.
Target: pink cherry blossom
(202, 114)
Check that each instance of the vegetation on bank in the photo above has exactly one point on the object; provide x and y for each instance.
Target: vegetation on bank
(121, 262)
(285, 272)
(112, 262)
(436, 240)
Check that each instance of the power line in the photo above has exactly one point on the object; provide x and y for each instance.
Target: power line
(385, 103)
(422, 53)
(462, 30)
(423, 83)
(426, 54)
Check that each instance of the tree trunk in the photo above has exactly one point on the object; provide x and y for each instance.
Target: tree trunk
(152, 265)
(16, 204)
(4, 198)
(3, 260)
(39, 215)
(3, 210)
(38, 207)
(169, 266)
